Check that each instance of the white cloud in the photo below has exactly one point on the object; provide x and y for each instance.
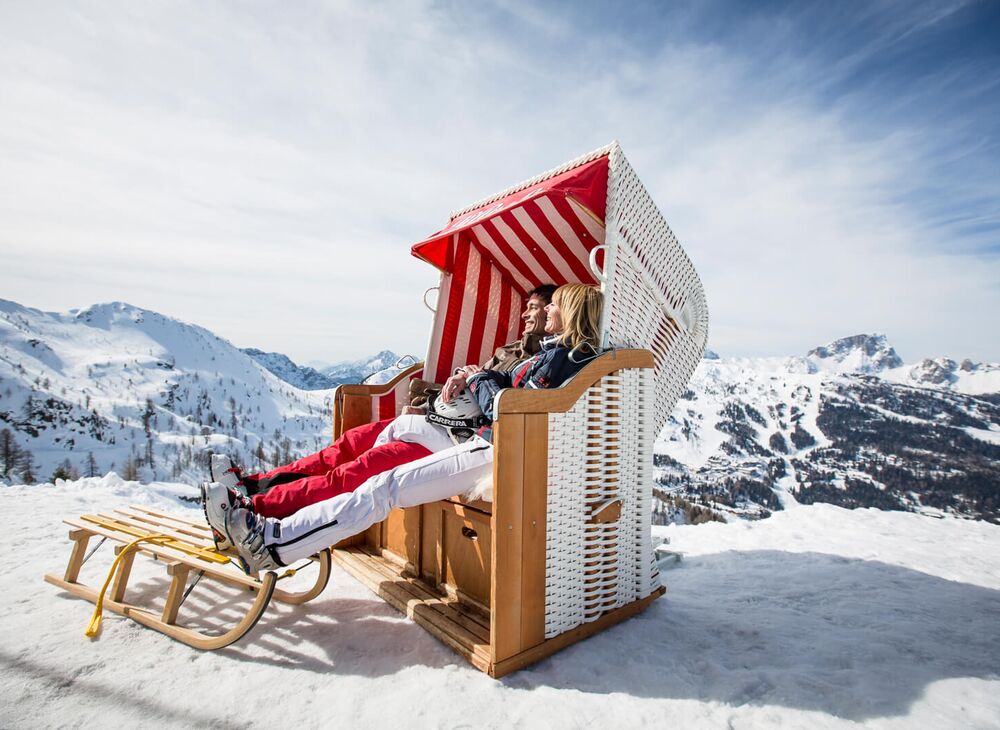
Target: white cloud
(262, 172)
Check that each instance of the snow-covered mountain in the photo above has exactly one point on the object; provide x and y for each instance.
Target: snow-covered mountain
(375, 369)
(301, 376)
(849, 424)
(116, 387)
(378, 368)
(858, 354)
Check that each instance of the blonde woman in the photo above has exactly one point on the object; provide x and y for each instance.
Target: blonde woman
(574, 319)
(267, 543)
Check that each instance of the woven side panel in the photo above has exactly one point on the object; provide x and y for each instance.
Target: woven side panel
(564, 527)
(646, 575)
(653, 295)
(599, 452)
(602, 454)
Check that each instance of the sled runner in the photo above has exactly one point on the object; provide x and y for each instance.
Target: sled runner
(563, 550)
(186, 549)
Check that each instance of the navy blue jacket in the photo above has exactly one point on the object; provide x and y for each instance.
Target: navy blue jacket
(550, 368)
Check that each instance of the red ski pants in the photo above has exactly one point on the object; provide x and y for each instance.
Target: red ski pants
(337, 469)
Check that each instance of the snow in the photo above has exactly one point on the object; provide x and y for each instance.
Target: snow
(99, 365)
(761, 383)
(992, 436)
(817, 617)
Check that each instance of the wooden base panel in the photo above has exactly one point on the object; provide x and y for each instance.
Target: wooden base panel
(464, 629)
(461, 628)
(556, 643)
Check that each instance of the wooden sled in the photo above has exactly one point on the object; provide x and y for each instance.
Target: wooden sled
(191, 550)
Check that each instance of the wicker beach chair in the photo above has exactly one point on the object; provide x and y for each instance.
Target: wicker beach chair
(563, 549)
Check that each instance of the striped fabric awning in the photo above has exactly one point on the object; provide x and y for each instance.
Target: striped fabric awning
(491, 256)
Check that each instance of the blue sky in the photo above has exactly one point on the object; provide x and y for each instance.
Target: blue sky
(261, 169)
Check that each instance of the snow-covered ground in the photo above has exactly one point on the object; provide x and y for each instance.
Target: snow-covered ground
(817, 617)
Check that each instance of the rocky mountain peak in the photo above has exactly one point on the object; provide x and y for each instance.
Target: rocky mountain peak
(937, 371)
(859, 353)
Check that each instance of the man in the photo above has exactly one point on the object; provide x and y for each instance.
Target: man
(505, 359)
(360, 452)
(573, 320)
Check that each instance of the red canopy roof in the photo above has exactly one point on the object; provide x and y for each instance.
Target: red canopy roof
(498, 252)
(586, 186)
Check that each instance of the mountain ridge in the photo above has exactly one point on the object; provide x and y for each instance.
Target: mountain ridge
(113, 386)
(117, 387)
(751, 436)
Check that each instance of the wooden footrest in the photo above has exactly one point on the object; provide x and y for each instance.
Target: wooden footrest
(186, 546)
(464, 629)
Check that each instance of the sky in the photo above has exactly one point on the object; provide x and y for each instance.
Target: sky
(262, 169)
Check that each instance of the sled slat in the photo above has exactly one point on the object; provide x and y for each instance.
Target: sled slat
(117, 527)
(143, 525)
(183, 530)
(195, 525)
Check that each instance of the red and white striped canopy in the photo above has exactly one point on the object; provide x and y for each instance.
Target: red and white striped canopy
(493, 255)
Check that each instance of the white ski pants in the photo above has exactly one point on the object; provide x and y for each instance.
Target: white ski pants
(444, 474)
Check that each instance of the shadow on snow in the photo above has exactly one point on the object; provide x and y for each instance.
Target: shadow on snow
(852, 638)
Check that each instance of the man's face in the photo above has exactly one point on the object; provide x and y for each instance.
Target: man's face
(534, 316)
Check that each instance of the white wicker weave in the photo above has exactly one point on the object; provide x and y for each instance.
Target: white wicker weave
(653, 300)
(594, 568)
(652, 295)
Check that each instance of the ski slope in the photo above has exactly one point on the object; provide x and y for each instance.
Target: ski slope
(818, 617)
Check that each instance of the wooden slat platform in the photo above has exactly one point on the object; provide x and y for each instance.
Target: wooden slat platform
(461, 627)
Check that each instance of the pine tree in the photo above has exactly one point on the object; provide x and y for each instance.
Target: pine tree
(91, 465)
(10, 453)
(27, 467)
(147, 416)
(130, 470)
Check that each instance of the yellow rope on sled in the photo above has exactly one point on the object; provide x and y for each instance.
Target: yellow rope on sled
(167, 541)
(95, 620)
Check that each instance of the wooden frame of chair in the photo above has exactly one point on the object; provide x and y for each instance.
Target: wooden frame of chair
(510, 632)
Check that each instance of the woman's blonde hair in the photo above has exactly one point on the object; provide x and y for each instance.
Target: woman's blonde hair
(580, 309)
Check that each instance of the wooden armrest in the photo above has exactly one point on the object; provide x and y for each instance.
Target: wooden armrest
(561, 399)
(352, 402)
